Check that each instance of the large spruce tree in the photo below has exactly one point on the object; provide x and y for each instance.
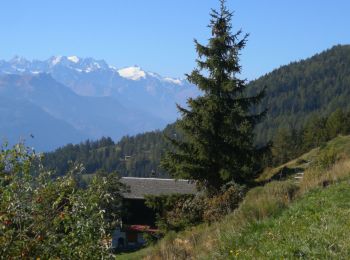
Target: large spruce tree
(218, 127)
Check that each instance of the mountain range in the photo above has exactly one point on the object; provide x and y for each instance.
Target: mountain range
(69, 99)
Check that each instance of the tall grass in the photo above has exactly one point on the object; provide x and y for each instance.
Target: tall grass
(266, 201)
(316, 177)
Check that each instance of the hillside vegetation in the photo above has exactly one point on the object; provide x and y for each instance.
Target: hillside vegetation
(289, 218)
(297, 94)
(315, 86)
(137, 155)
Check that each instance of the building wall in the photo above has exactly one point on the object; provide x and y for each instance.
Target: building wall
(116, 236)
(131, 239)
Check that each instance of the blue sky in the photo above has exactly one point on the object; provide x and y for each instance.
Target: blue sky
(158, 34)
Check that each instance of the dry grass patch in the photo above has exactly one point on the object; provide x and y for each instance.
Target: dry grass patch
(316, 177)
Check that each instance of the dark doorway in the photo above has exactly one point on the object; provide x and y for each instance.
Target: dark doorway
(137, 213)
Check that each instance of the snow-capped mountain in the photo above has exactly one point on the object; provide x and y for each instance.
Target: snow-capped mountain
(75, 117)
(21, 65)
(77, 98)
(132, 86)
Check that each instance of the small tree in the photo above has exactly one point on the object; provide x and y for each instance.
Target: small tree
(336, 123)
(315, 132)
(218, 126)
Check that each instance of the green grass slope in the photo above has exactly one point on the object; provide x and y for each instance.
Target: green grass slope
(287, 218)
(316, 226)
(339, 147)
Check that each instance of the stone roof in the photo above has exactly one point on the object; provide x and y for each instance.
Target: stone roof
(139, 187)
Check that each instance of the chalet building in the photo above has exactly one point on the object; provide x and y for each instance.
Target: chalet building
(140, 219)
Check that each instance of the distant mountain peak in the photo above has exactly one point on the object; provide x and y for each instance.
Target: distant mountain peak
(55, 60)
(59, 63)
(85, 98)
(73, 59)
(18, 60)
(172, 80)
(133, 73)
(87, 76)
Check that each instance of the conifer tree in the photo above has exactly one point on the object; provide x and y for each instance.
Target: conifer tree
(218, 140)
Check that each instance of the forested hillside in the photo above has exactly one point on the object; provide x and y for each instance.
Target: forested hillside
(318, 85)
(132, 156)
(295, 94)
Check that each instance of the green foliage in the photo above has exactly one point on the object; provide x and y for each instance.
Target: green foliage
(315, 227)
(326, 158)
(137, 156)
(263, 202)
(218, 127)
(291, 143)
(109, 188)
(315, 132)
(150, 239)
(338, 123)
(43, 217)
(177, 211)
(315, 86)
(286, 144)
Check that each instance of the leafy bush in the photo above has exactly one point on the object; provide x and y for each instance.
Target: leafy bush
(177, 211)
(42, 217)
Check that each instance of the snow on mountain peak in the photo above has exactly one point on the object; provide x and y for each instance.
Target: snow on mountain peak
(55, 64)
(56, 60)
(133, 73)
(175, 81)
(74, 59)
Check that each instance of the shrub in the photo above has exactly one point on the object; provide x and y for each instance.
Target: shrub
(177, 211)
(48, 218)
(219, 206)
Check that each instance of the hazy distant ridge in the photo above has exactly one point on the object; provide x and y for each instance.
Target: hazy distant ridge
(84, 96)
